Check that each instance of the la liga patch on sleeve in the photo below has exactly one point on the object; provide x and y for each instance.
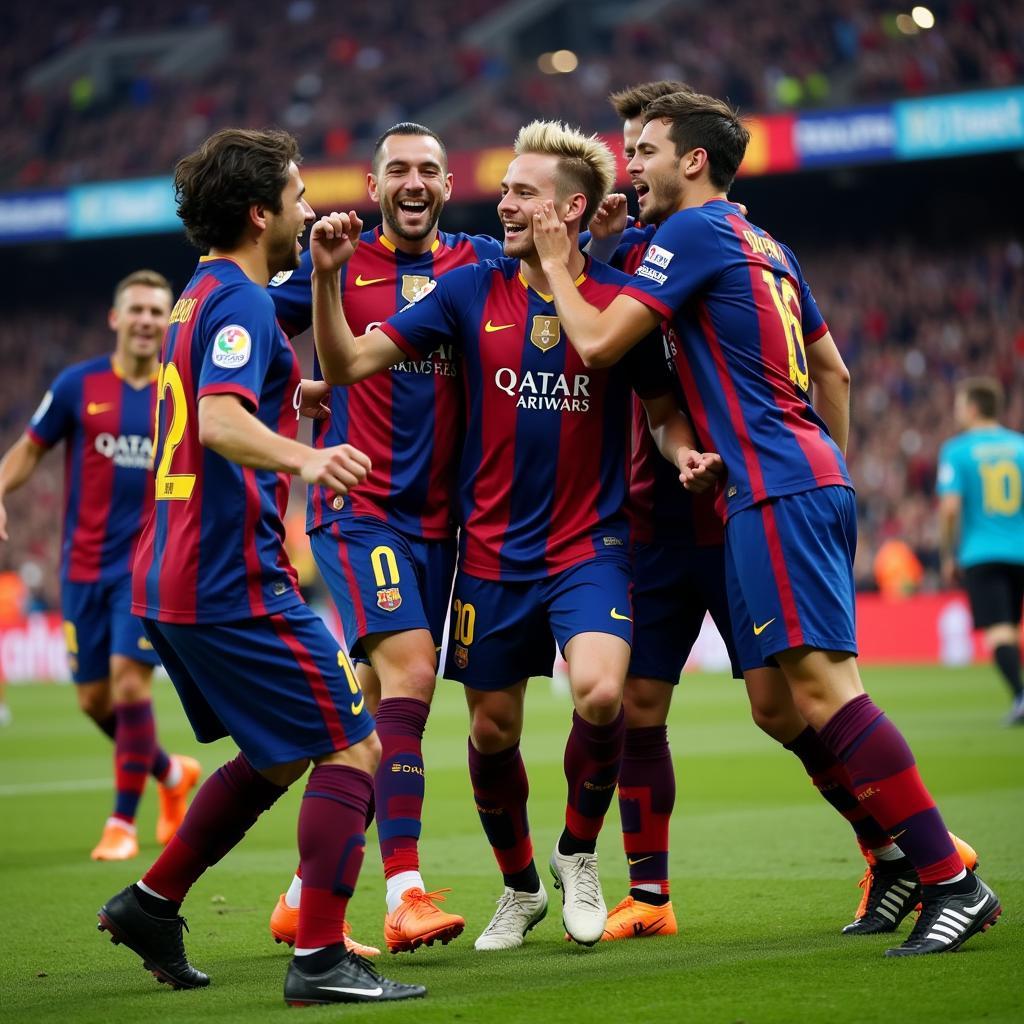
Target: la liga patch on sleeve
(231, 348)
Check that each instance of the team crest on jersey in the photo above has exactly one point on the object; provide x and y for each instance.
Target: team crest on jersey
(280, 277)
(415, 286)
(461, 656)
(546, 332)
(338, 503)
(389, 599)
(232, 347)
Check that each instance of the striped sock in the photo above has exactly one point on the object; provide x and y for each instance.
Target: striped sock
(134, 747)
(647, 795)
(886, 781)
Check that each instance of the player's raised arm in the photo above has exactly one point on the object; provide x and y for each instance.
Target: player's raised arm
(16, 467)
(602, 337)
(831, 380)
(229, 429)
(344, 359)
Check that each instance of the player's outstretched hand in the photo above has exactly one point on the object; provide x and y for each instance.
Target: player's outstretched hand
(339, 468)
(550, 237)
(312, 399)
(700, 471)
(333, 240)
(610, 217)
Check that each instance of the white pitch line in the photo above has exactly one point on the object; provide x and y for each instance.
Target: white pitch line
(61, 786)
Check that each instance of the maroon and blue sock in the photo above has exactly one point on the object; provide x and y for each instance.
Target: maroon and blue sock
(399, 782)
(222, 811)
(832, 781)
(886, 781)
(134, 748)
(501, 790)
(331, 849)
(593, 757)
(161, 759)
(647, 795)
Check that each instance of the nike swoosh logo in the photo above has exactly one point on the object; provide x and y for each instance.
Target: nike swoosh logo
(491, 328)
(758, 630)
(362, 282)
(896, 835)
(638, 860)
(356, 708)
(372, 992)
(973, 910)
(621, 618)
(93, 408)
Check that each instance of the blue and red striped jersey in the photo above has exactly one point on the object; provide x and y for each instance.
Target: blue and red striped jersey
(741, 315)
(661, 510)
(544, 470)
(213, 548)
(107, 427)
(409, 420)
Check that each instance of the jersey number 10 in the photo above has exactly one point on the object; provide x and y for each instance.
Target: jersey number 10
(788, 306)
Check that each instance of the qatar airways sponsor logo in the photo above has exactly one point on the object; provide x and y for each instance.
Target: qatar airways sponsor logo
(558, 392)
(130, 451)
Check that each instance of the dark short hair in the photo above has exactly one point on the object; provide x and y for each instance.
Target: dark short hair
(985, 394)
(146, 278)
(233, 170)
(703, 122)
(634, 100)
(407, 128)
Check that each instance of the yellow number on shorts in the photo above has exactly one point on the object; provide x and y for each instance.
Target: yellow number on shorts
(787, 304)
(385, 566)
(463, 622)
(353, 684)
(1000, 487)
(70, 637)
(172, 486)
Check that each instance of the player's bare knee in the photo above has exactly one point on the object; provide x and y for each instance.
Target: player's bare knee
(284, 775)
(645, 702)
(94, 700)
(491, 734)
(417, 683)
(131, 682)
(364, 755)
(600, 702)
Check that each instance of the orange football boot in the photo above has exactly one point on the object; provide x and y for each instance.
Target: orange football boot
(967, 854)
(284, 923)
(634, 919)
(174, 799)
(116, 843)
(418, 922)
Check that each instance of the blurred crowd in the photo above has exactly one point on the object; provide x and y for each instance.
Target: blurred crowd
(336, 80)
(910, 320)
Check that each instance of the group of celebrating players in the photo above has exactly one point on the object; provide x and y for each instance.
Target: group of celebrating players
(593, 452)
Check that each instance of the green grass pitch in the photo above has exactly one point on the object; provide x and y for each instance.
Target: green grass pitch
(764, 877)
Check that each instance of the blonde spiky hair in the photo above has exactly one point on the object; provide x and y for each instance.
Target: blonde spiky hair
(585, 163)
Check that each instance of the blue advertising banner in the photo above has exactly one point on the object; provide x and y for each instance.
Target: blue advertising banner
(976, 122)
(845, 136)
(34, 216)
(145, 206)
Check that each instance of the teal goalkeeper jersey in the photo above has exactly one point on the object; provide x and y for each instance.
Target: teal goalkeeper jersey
(986, 468)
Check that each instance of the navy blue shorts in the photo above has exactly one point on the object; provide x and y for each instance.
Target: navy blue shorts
(503, 631)
(277, 685)
(383, 581)
(789, 573)
(673, 588)
(98, 622)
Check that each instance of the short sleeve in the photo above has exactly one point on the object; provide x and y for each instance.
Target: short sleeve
(948, 480)
(433, 317)
(487, 248)
(292, 293)
(241, 335)
(682, 257)
(55, 418)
